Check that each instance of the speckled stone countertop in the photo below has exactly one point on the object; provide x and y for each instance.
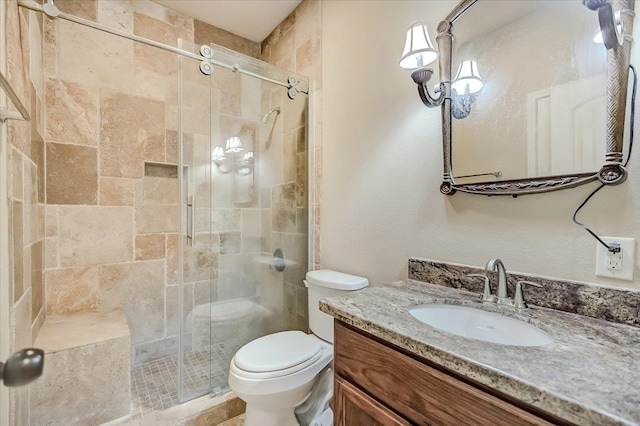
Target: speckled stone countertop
(590, 375)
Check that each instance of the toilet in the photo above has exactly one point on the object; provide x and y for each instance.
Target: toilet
(275, 373)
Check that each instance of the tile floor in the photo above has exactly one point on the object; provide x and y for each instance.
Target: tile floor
(154, 384)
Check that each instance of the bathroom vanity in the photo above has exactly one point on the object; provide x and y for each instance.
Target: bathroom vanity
(392, 369)
(376, 382)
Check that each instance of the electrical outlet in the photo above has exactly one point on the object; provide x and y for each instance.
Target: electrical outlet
(618, 265)
(614, 260)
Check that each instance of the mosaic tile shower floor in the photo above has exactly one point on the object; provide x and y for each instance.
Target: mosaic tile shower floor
(154, 384)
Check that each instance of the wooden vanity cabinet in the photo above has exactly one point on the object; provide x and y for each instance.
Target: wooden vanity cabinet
(377, 384)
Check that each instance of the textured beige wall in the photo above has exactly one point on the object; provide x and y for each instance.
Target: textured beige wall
(382, 167)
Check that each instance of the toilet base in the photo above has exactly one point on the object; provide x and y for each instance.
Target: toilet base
(255, 416)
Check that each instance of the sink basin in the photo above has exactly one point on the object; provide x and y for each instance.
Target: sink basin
(481, 325)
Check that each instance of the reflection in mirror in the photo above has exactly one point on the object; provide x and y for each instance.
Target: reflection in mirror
(465, 88)
(236, 160)
(542, 108)
(537, 123)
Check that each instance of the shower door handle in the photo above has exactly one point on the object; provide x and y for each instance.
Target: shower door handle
(191, 220)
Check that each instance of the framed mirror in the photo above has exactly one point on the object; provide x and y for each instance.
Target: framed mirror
(539, 97)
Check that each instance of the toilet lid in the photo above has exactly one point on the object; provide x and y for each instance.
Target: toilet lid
(277, 352)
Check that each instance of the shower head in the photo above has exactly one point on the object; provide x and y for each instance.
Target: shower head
(266, 115)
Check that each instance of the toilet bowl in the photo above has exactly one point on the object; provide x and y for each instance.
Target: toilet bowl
(274, 382)
(274, 374)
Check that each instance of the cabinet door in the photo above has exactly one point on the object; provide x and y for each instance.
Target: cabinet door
(356, 408)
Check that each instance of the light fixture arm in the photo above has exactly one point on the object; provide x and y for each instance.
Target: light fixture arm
(421, 77)
(611, 36)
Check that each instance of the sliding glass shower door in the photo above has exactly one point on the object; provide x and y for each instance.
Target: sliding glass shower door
(243, 253)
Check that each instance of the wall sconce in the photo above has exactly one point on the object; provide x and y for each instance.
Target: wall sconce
(419, 52)
(465, 89)
(224, 165)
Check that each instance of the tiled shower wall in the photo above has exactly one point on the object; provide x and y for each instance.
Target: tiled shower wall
(25, 152)
(112, 215)
(111, 224)
(295, 45)
(284, 207)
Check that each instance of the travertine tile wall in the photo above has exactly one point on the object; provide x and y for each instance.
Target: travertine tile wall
(295, 45)
(112, 228)
(25, 151)
(283, 203)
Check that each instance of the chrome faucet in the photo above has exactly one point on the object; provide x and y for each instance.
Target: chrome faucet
(496, 265)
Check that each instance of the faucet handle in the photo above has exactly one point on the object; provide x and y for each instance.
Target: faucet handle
(518, 301)
(486, 296)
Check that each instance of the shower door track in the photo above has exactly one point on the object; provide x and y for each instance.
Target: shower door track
(53, 12)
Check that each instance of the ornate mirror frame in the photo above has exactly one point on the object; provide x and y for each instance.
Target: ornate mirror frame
(618, 47)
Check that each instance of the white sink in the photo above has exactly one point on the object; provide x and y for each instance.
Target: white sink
(481, 325)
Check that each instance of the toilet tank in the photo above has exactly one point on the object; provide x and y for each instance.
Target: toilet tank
(325, 283)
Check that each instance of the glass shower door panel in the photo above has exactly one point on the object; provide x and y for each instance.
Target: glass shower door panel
(244, 194)
(283, 183)
(259, 205)
(235, 218)
(198, 257)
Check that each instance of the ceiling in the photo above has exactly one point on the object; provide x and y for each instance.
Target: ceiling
(251, 19)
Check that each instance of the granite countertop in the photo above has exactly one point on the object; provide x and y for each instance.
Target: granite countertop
(590, 375)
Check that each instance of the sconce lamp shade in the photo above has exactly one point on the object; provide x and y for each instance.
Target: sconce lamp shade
(247, 158)
(468, 78)
(242, 166)
(218, 154)
(234, 145)
(418, 49)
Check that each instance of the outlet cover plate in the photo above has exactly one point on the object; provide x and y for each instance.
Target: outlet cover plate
(628, 246)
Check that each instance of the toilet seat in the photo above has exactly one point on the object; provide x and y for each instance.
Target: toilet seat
(277, 355)
(275, 374)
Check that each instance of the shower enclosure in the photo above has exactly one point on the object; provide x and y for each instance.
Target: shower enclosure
(243, 242)
(184, 215)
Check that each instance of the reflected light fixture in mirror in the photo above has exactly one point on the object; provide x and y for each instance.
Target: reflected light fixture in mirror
(234, 145)
(218, 154)
(598, 39)
(465, 88)
(225, 165)
(468, 78)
